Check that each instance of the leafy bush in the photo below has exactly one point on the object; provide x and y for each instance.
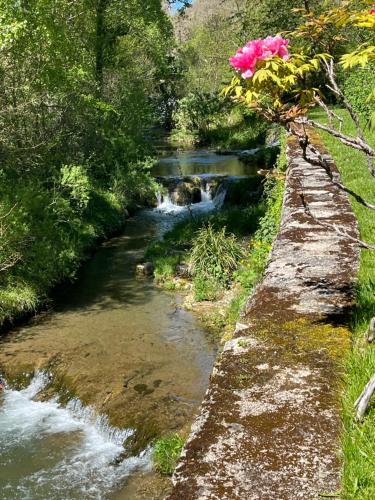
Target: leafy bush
(358, 86)
(166, 452)
(75, 182)
(46, 229)
(215, 254)
(203, 118)
(197, 112)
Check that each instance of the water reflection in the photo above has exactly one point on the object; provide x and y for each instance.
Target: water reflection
(202, 162)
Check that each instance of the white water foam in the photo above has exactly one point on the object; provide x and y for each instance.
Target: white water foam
(207, 204)
(69, 452)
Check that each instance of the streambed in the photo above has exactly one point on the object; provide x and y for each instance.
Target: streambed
(127, 351)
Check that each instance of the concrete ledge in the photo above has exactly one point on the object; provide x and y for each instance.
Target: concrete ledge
(269, 424)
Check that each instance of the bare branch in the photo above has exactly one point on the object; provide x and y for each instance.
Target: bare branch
(353, 142)
(335, 178)
(10, 262)
(330, 68)
(363, 401)
(336, 90)
(8, 213)
(330, 113)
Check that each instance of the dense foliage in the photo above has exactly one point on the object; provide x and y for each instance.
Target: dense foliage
(75, 110)
(208, 33)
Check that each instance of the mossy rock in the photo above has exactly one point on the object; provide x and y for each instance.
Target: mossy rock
(246, 191)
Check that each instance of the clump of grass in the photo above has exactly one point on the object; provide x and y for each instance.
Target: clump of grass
(177, 244)
(215, 255)
(167, 451)
(206, 288)
(165, 267)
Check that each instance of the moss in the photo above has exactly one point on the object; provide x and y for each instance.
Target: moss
(310, 336)
(64, 387)
(304, 336)
(18, 379)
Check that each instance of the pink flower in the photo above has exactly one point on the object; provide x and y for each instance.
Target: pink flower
(247, 57)
(372, 11)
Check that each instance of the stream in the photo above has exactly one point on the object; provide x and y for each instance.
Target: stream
(115, 363)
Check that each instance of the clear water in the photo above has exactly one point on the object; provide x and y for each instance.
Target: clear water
(139, 361)
(201, 162)
(51, 451)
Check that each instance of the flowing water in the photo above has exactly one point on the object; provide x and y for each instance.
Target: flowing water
(135, 363)
(203, 162)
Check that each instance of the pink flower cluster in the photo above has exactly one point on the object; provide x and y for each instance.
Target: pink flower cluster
(372, 11)
(247, 57)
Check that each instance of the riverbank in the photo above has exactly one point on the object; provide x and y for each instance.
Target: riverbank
(114, 341)
(269, 423)
(26, 287)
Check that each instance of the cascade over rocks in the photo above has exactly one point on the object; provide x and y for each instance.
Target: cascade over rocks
(188, 190)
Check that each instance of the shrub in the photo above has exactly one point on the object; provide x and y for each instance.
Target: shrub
(167, 451)
(358, 86)
(207, 118)
(215, 254)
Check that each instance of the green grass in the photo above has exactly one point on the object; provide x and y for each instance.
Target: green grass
(51, 250)
(177, 243)
(167, 451)
(358, 440)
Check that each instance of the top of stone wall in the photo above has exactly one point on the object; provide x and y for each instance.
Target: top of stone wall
(268, 427)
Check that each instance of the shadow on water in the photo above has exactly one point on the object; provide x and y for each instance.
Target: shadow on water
(108, 279)
(120, 344)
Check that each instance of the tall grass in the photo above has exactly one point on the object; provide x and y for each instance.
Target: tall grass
(358, 439)
(167, 451)
(215, 254)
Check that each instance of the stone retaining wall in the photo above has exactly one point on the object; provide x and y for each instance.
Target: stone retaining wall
(269, 424)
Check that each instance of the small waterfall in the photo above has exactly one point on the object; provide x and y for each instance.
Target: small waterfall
(166, 202)
(74, 452)
(166, 205)
(206, 193)
(220, 195)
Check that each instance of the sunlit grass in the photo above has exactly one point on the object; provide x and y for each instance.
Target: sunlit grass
(358, 440)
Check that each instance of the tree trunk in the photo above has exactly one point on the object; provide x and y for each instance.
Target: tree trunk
(100, 44)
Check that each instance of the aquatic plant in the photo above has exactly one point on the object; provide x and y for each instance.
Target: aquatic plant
(166, 453)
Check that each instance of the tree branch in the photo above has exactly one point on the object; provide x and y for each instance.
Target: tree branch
(353, 142)
(363, 401)
(335, 228)
(330, 69)
(323, 163)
